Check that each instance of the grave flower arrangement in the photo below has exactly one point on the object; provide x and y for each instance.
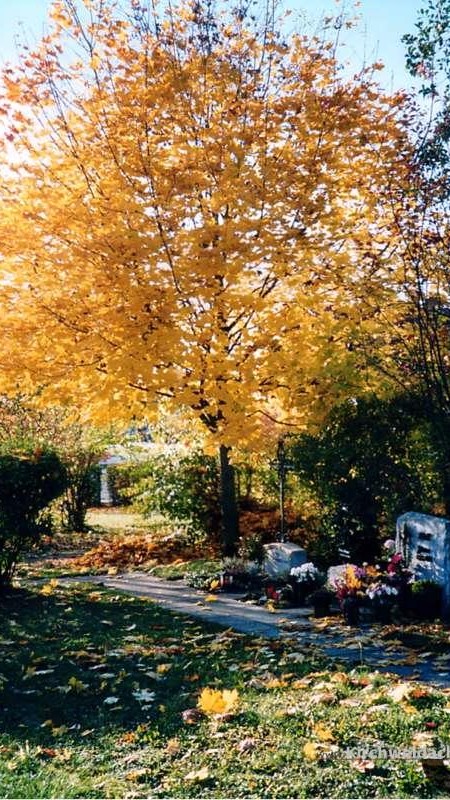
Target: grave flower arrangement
(382, 597)
(373, 586)
(306, 573)
(304, 580)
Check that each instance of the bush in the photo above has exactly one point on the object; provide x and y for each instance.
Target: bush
(27, 486)
(185, 489)
(372, 461)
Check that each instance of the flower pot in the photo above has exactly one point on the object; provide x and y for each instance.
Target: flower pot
(350, 610)
(300, 591)
(321, 608)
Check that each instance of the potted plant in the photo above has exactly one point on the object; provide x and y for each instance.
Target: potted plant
(304, 580)
(278, 591)
(382, 596)
(349, 590)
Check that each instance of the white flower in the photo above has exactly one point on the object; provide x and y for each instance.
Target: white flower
(305, 572)
(381, 590)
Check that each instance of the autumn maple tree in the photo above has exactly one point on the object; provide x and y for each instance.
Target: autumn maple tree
(196, 209)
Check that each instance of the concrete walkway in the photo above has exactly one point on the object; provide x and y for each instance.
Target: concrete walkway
(225, 610)
(358, 646)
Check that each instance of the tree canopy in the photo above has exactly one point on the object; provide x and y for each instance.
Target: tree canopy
(196, 208)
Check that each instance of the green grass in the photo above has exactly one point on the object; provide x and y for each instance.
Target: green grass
(94, 686)
(121, 520)
(176, 571)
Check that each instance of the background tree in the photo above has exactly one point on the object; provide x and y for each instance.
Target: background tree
(371, 461)
(416, 338)
(194, 209)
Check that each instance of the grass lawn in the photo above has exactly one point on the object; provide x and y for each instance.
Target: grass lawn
(99, 696)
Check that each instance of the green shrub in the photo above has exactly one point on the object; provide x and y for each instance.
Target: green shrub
(372, 461)
(185, 489)
(27, 486)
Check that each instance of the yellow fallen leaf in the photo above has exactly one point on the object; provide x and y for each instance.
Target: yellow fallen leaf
(49, 588)
(173, 747)
(408, 708)
(339, 677)
(214, 585)
(59, 731)
(275, 683)
(310, 751)
(136, 774)
(423, 739)
(211, 598)
(323, 733)
(161, 669)
(214, 701)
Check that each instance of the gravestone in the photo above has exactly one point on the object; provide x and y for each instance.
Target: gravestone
(424, 542)
(282, 556)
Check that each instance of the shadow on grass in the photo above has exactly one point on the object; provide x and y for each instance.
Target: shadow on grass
(83, 661)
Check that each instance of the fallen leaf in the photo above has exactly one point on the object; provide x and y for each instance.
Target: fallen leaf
(322, 697)
(275, 683)
(214, 701)
(246, 745)
(49, 588)
(323, 733)
(136, 774)
(423, 739)
(161, 669)
(400, 692)
(198, 775)
(191, 716)
(173, 747)
(143, 696)
(310, 751)
(363, 764)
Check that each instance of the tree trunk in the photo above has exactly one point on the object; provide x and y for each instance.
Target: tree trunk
(230, 515)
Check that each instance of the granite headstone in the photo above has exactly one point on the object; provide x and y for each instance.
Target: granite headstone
(424, 542)
(282, 556)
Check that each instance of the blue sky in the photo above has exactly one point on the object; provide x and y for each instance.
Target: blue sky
(383, 22)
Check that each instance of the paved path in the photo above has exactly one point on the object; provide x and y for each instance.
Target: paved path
(355, 645)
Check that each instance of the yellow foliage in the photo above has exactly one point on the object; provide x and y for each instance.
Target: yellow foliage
(323, 734)
(310, 751)
(219, 236)
(49, 588)
(215, 701)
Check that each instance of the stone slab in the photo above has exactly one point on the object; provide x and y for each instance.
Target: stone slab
(424, 542)
(281, 557)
